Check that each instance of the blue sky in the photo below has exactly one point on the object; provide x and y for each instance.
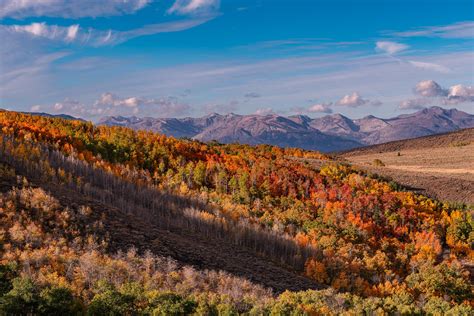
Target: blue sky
(168, 58)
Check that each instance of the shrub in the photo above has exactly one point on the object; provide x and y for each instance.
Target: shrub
(379, 163)
(22, 299)
(169, 303)
(7, 273)
(58, 301)
(109, 301)
(460, 143)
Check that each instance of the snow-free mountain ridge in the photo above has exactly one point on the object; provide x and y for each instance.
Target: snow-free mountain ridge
(328, 133)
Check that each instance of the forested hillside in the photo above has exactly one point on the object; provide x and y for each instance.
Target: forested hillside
(91, 215)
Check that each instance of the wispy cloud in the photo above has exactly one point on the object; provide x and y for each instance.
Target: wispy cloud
(393, 48)
(293, 80)
(456, 30)
(430, 66)
(26, 49)
(69, 8)
(300, 45)
(389, 47)
(94, 37)
(194, 7)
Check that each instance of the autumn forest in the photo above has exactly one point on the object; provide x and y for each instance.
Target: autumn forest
(107, 220)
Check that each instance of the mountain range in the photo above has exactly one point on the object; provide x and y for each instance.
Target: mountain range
(329, 133)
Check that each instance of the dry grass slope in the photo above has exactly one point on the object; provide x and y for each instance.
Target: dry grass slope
(441, 166)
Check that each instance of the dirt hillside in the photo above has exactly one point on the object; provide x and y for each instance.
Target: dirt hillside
(440, 166)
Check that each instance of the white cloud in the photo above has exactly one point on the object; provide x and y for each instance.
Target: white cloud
(58, 106)
(390, 48)
(456, 30)
(430, 66)
(432, 93)
(35, 108)
(355, 100)
(113, 100)
(429, 88)
(264, 111)
(315, 108)
(460, 94)
(453, 95)
(320, 108)
(352, 100)
(72, 32)
(69, 8)
(194, 6)
(44, 30)
(37, 29)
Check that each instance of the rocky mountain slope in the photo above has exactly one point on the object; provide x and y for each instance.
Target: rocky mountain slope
(329, 133)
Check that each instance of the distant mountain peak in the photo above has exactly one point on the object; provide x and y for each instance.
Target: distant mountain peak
(328, 133)
(338, 115)
(369, 117)
(211, 115)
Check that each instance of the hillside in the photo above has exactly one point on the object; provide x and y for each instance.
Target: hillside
(271, 219)
(444, 140)
(329, 133)
(441, 166)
